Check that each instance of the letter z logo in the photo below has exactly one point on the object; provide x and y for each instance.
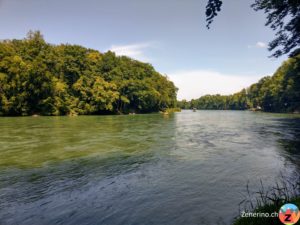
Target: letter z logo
(287, 218)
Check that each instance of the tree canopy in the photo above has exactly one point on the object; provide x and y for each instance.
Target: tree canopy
(277, 93)
(40, 78)
(283, 16)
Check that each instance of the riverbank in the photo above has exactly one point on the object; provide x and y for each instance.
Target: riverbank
(165, 111)
(263, 206)
(171, 110)
(268, 208)
(276, 93)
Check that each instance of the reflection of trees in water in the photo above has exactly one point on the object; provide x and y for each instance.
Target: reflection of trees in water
(290, 139)
(286, 188)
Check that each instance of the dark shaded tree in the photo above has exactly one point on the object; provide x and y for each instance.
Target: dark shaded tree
(283, 16)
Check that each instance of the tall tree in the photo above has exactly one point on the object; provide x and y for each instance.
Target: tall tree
(277, 93)
(39, 78)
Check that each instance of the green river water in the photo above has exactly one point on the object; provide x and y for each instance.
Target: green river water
(184, 168)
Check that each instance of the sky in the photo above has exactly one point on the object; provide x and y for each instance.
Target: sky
(169, 34)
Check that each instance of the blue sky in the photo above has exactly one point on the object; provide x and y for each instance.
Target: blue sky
(170, 34)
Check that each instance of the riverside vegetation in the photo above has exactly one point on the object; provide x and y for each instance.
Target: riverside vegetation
(267, 201)
(40, 78)
(277, 93)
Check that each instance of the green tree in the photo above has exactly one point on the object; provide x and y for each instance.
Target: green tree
(39, 78)
(277, 93)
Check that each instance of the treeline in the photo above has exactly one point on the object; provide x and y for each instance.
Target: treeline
(40, 78)
(277, 93)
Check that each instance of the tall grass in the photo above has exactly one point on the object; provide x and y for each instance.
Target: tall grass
(269, 200)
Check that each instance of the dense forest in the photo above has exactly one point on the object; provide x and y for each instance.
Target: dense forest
(277, 93)
(45, 79)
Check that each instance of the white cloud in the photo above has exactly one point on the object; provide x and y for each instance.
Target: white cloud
(196, 83)
(261, 44)
(258, 44)
(135, 51)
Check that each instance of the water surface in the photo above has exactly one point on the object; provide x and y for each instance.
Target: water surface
(186, 168)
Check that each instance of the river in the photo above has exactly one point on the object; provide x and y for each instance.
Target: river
(186, 168)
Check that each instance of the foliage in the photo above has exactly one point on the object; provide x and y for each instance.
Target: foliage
(269, 201)
(283, 16)
(212, 9)
(279, 93)
(171, 110)
(40, 78)
(268, 208)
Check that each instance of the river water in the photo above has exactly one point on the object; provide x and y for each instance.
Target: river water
(187, 168)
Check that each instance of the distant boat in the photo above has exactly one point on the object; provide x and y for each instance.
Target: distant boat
(194, 109)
